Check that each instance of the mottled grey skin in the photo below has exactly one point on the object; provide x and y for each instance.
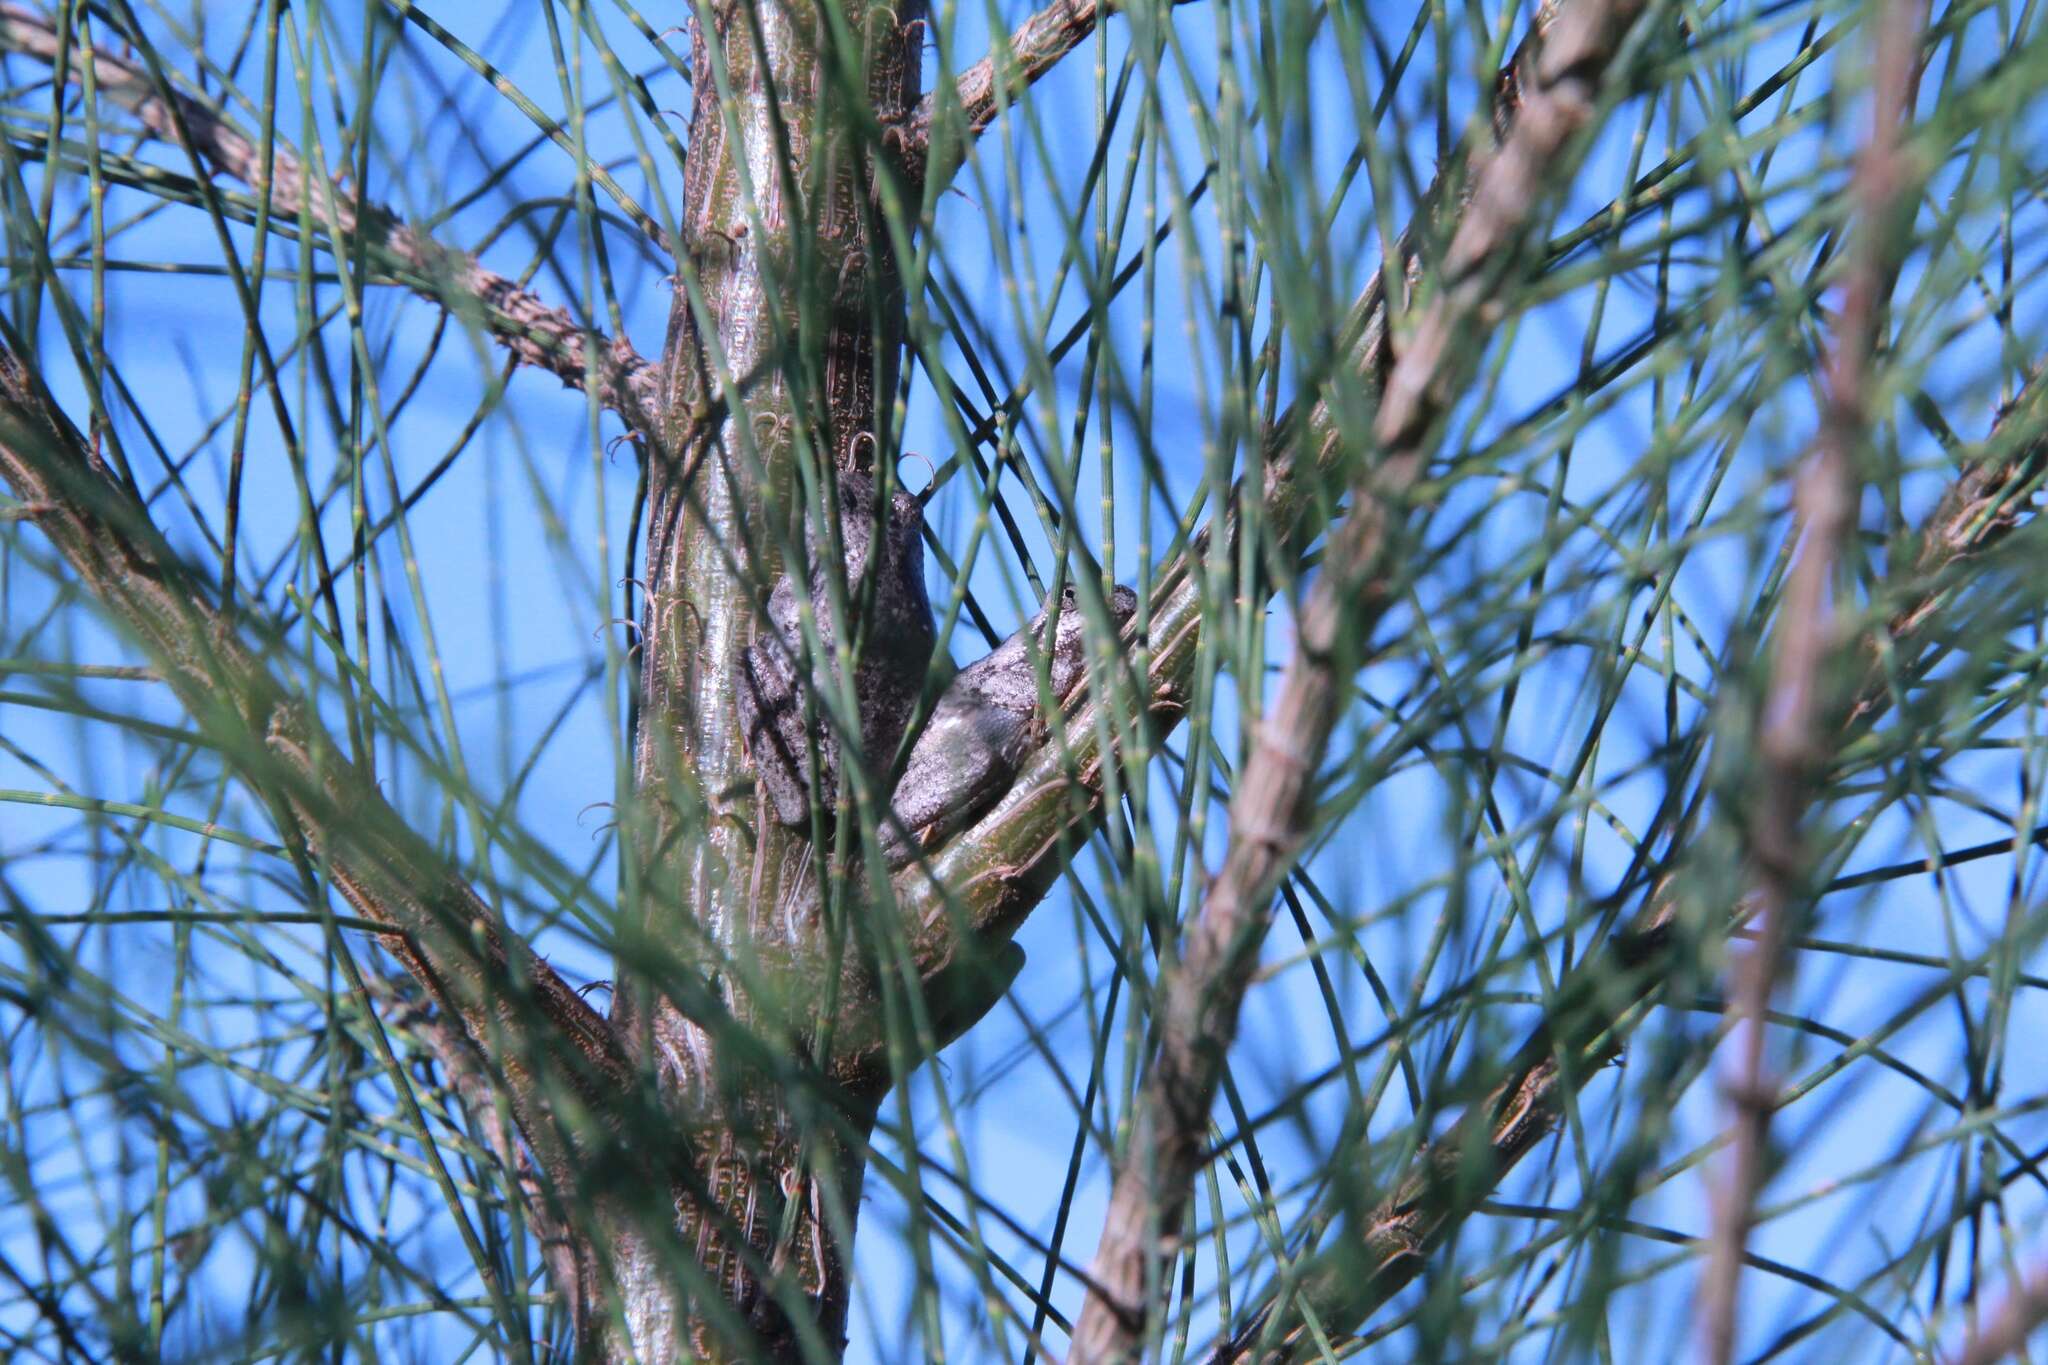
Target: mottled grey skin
(983, 726)
(896, 649)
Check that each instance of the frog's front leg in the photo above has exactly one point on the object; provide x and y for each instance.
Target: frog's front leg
(959, 766)
(770, 696)
(984, 725)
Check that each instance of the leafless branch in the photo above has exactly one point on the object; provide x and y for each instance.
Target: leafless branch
(467, 1073)
(982, 89)
(536, 333)
(2024, 1308)
(1201, 997)
(547, 1041)
(1585, 1028)
(1793, 738)
(974, 892)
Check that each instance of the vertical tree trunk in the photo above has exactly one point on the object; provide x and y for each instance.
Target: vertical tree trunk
(786, 330)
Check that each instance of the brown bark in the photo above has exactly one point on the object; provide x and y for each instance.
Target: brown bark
(556, 1060)
(784, 342)
(981, 91)
(534, 332)
(1793, 742)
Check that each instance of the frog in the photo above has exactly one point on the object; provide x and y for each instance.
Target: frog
(986, 722)
(774, 673)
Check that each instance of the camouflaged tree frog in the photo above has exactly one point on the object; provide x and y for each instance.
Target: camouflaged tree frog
(984, 724)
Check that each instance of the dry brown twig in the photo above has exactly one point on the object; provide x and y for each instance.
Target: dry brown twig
(535, 333)
(2024, 1308)
(1034, 48)
(1793, 737)
(1560, 84)
(547, 1041)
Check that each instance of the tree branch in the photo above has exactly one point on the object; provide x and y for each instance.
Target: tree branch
(1562, 86)
(557, 1054)
(2024, 1308)
(1585, 1029)
(972, 894)
(721, 900)
(1792, 737)
(536, 334)
(468, 1075)
(1014, 67)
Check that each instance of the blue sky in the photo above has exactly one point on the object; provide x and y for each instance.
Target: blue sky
(522, 607)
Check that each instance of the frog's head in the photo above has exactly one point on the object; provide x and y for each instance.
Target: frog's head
(1069, 644)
